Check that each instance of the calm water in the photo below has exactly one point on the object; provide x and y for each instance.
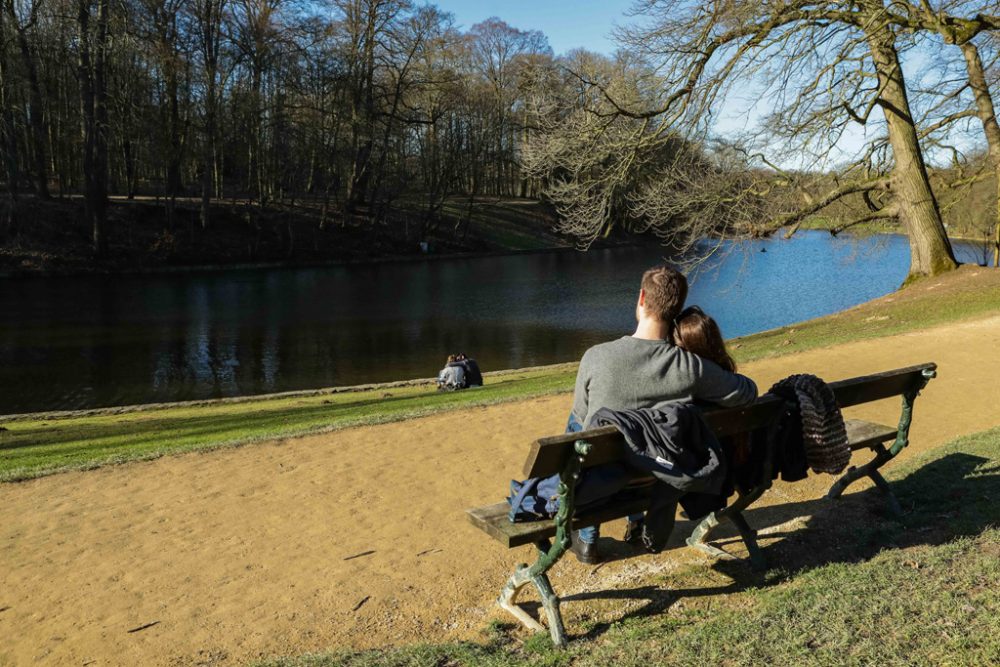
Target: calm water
(95, 341)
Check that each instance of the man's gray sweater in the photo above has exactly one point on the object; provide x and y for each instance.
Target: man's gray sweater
(632, 373)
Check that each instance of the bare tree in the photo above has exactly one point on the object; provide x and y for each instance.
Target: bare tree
(958, 23)
(825, 66)
(207, 17)
(8, 144)
(23, 17)
(498, 51)
(92, 75)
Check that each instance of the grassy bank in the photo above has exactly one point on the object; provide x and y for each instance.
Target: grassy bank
(860, 588)
(33, 446)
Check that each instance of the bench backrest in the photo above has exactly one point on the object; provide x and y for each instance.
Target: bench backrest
(549, 456)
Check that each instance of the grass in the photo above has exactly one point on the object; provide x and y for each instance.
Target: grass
(32, 446)
(35, 446)
(864, 589)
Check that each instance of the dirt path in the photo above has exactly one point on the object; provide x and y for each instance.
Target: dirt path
(356, 538)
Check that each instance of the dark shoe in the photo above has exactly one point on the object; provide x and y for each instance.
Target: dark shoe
(633, 532)
(584, 552)
(649, 545)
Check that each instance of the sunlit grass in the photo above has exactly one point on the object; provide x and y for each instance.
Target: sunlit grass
(32, 447)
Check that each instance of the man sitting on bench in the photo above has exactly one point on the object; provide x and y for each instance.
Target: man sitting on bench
(646, 370)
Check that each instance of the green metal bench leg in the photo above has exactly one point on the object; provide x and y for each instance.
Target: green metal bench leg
(550, 603)
(548, 555)
(882, 455)
(854, 473)
(749, 535)
(699, 536)
(869, 470)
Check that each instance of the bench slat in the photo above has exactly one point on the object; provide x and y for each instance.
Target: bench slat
(548, 456)
(865, 435)
(492, 519)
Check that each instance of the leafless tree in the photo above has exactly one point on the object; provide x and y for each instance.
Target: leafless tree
(959, 23)
(824, 66)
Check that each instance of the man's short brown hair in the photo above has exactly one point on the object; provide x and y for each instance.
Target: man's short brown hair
(666, 289)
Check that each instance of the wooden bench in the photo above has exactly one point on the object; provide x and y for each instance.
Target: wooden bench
(566, 454)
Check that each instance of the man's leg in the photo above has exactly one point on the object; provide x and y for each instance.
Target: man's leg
(659, 523)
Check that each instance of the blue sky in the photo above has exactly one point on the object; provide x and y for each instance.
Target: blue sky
(568, 24)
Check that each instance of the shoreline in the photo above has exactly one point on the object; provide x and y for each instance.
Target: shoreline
(262, 266)
(742, 346)
(180, 269)
(43, 443)
(111, 410)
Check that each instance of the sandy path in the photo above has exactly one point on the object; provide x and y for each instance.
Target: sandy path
(355, 538)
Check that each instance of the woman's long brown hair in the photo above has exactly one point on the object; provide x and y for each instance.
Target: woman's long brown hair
(698, 333)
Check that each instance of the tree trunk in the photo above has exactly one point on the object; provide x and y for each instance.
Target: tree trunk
(7, 142)
(102, 124)
(208, 152)
(930, 250)
(987, 115)
(361, 175)
(94, 117)
(210, 18)
(35, 106)
(173, 141)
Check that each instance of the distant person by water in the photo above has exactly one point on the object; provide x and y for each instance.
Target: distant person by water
(452, 376)
(473, 376)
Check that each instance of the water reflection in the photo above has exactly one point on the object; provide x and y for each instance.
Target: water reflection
(93, 341)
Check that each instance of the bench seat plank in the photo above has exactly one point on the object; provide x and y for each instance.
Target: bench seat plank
(492, 519)
(866, 435)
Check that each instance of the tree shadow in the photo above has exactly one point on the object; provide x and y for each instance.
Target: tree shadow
(956, 495)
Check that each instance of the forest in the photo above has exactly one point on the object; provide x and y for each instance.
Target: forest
(257, 128)
(361, 109)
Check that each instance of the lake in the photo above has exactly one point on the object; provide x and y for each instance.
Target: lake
(81, 342)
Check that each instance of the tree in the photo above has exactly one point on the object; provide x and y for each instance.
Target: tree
(499, 51)
(207, 16)
(23, 17)
(825, 65)
(8, 144)
(92, 76)
(947, 22)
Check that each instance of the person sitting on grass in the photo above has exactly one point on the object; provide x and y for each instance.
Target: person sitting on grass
(452, 376)
(473, 376)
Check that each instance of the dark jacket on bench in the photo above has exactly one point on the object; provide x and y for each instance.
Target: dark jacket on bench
(672, 443)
